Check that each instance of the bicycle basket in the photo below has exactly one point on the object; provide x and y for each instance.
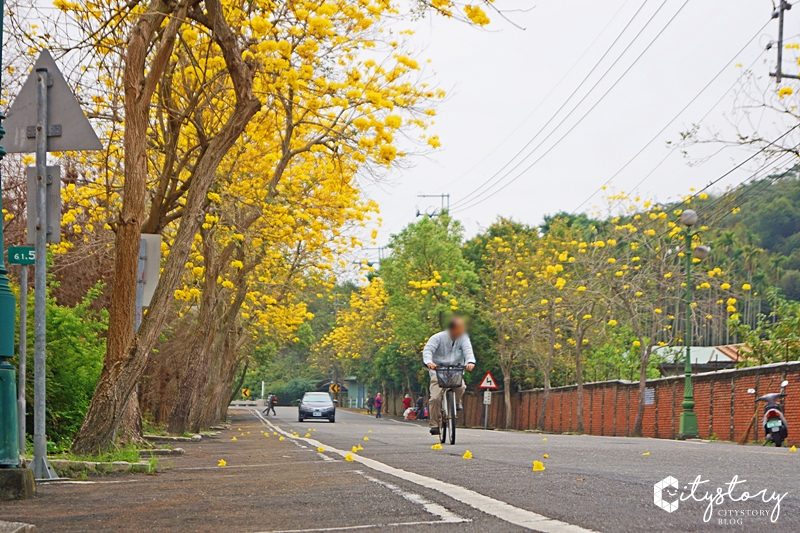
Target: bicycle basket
(449, 377)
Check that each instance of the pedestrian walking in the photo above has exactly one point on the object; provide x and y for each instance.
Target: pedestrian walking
(272, 400)
(370, 403)
(378, 405)
(420, 406)
(406, 402)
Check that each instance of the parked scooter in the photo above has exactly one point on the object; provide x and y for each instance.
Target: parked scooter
(775, 427)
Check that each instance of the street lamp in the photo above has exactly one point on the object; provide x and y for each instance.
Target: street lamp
(688, 423)
(9, 435)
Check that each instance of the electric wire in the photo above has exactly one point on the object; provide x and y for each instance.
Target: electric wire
(477, 201)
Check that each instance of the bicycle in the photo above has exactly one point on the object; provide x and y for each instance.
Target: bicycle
(450, 378)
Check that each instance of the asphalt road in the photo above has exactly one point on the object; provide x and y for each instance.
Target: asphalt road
(398, 483)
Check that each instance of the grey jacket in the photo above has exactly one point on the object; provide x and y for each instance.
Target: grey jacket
(442, 350)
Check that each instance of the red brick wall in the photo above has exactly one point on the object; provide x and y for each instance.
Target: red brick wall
(723, 407)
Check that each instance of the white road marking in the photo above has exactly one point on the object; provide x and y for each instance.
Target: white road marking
(435, 509)
(500, 509)
(351, 528)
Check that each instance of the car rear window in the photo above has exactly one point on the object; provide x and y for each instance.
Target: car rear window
(317, 397)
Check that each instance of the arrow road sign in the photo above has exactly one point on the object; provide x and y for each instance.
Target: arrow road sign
(68, 128)
(488, 382)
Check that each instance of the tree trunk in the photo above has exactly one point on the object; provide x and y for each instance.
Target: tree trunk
(507, 398)
(238, 386)
(127, 354)
(131, 425)
(545, 397)
(121, 371)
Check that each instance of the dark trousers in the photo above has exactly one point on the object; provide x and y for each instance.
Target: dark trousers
(378, 412)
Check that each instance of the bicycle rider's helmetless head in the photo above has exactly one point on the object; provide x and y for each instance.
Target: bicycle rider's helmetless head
(456, 327)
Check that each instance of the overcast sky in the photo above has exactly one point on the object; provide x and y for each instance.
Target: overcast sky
(498, 80)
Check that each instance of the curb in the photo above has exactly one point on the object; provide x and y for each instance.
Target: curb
(16, 527)
(67, 468)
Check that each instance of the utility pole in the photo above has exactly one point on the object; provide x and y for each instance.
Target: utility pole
(779, 14)
(445, 204)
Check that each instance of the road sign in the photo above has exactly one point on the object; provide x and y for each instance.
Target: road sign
(21, 255)
(152, 266)
(246, 393)
(53, 201)
(487, 397)
(68, 128)
(488, 382)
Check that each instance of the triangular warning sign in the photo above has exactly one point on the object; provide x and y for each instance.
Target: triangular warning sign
(488, 382)
(68, 127)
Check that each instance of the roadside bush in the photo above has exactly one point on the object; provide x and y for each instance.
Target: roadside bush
(291, 390)
(75, 348)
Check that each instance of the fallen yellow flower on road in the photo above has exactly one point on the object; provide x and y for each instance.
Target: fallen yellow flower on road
(222, 462)
(309, 429)
(354, 449)
(266, 435)
(646, 454)
(544, 439)
(233, 438)
(538, 466)
(281, 438)
(793, 449)
(369, 431)
(360, 448)
(467, 455)
(275, 433)
(436, 446)
(308, 435)
(348, 458)
(545, 456)
(366, 438)
(238, 429)
(313, 430)
(241, 434)
(248, 432)
(320, 449)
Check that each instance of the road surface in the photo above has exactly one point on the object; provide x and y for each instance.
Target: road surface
(398, 483)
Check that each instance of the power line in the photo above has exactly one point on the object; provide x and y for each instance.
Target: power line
(480, 200)
(543, 100)
(572, 94)
(677, 115)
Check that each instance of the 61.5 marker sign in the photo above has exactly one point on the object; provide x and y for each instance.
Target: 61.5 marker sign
(21, 255)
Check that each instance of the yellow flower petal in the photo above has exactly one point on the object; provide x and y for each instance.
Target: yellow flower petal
(538, 466)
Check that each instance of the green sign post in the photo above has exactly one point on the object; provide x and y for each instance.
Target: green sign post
(21, 255)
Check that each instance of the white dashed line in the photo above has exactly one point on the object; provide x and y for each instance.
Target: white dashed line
(445, 515)
(500, 509)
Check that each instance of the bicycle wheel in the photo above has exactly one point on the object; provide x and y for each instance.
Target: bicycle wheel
(451, 402)
(443, 421)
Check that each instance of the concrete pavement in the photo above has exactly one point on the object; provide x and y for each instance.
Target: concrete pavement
(397, 482)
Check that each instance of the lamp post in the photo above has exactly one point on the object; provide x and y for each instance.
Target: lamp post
(9, 436)
(688, 423)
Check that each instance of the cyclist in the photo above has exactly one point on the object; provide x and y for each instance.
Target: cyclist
(448, 347)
